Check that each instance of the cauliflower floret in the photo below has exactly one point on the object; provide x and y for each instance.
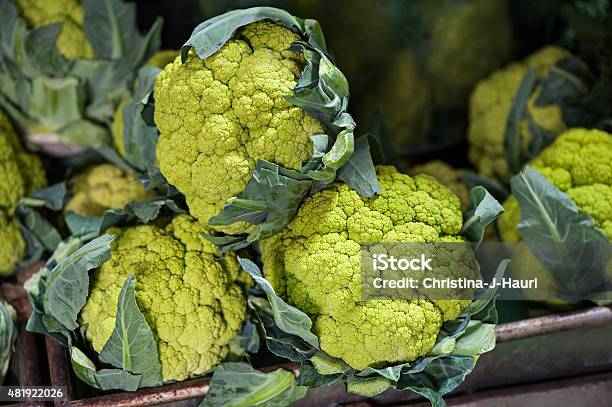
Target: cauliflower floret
(490, 105)
(218, 116)
(22, 173)
(447, 176)
(193, 302)
(315, 264)
(104, 187)
(72, 41)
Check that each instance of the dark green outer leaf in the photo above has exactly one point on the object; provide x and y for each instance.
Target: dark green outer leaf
(132, 346)
(110, 27)
(279, 342)
(359, 170)
(68, 282)
(483, 210)
(208, 37)
(240, 385)
(574, 242)
(288, 318)
(270, 201)
(512, 136)
(88, 227)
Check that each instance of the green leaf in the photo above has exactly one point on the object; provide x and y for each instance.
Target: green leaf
(483, 210)
(67, 284)
(367, 387)
(8, 334)
(564, 239)
(43, 54)
(270, 200)
(311, 378)
(140, 139)
(88, 227)
(359, 172)
(279, 342)
(111, 29)
(237, 384)
(245, 342)
(564, 80)
(513, 144)
(105, 379)
(477, 339)
(288, 318)
(208, 37)
(132, 346)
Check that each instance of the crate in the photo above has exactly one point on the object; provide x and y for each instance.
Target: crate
(28, 365)
(532, 350)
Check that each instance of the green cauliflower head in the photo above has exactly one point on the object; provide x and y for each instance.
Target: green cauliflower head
(315, 264)
(104, 187)
(193, 302)
(460, 55)
(218, 116)
(490, 105)
(579, 163)
(159, 60)
(22, 173)
(72, 41)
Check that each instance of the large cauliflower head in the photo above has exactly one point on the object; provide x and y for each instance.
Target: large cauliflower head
(22, 173)
(104, 187)
(72, 41)
(579, 163)
(490, 105)
(315, 264)
(218, 116)
(460, 55)
(193, 301)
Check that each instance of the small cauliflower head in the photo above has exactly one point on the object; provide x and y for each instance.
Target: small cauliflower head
(72, 42)
(193, 301)
(406, 100)
(22, 173)
(490, 105)
(459, 54)
(218, 116)
(579, 163)
(104, 187)
(315, 264)
(447, 176)
(159, 60)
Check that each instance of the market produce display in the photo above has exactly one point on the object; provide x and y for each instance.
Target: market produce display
(210, 212)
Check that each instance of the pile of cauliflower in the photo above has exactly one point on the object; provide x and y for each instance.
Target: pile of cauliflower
(212, 121)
